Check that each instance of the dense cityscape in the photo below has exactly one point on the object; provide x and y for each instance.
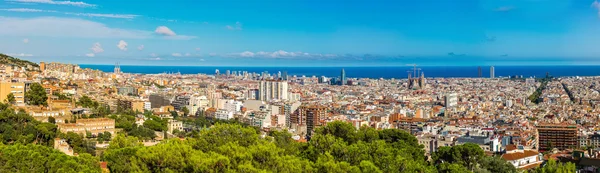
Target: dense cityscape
(524, 122)
(300, 86)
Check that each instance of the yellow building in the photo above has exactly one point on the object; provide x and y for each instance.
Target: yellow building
(92, 125)
(42, 66)
(137, 106)
(17, 89)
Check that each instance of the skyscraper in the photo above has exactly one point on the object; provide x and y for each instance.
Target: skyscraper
(479, 72)
(284, 76)
(343, 78)
(492, 72)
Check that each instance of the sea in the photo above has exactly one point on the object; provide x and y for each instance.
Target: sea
(386, 72)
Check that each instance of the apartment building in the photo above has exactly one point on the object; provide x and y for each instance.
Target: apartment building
(92, 125)
(17, 89)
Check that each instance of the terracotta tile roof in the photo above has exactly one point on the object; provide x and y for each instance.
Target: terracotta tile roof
(511, 147)
(531, 166)
(519, 155)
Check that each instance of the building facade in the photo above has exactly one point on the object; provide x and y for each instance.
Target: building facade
(17, 89)
(272, 90)
(560, 136)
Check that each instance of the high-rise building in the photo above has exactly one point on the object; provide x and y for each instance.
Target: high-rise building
(451, 100)
(42, 66)
(272, 90)
(560, 136)
(343, 78)
(492, 75)
(479, 74)
(284, 76)
(314, 115)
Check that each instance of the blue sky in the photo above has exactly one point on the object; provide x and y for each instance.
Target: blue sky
(302, 32)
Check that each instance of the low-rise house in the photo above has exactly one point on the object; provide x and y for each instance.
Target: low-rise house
(522, 158)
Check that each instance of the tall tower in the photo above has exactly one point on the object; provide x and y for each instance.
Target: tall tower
(117, 68)
(492, 72)
(422, 81)
(285, 76)
(42, 66)
(343, 77)
(479, 74)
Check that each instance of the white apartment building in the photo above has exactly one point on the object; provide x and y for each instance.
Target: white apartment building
(272, 90)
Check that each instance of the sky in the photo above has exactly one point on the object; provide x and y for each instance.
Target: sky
(302, 32)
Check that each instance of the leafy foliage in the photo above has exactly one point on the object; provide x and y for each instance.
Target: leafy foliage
(87, 102)
(10, 98)
(36, 95)
(37, 158)
(22, 128)
(235, 148)
(5, 59)
(555, 167)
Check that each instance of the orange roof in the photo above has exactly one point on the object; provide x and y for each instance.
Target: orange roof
(511, 147)
(531, 166)
(519, 155)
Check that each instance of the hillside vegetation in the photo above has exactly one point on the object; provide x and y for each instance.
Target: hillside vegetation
(5, 59)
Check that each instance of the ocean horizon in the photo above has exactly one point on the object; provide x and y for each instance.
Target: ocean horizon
(387, 72)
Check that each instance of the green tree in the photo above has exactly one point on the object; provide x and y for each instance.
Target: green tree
(10, 98)
(37, 158)
(52, 120)
(556, 167)
(87, 102)
(467, 155)
(36, 95)
(495, 164)
(156, 124)
(185, 111)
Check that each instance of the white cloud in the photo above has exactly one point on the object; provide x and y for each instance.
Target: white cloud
(201, 59)
(118, 16)
(122, 45)
(596, 5)
(90, 55)
(188, 54)
(19, 54)
(163, 30)
(157, 59)
(247, 54)
(27, 10)
(30, 10)
(72, 3)
(65, 27)
(153, 55)
(504, 8)
(141, 47)
(97, 48)
(238, 26)
(285, 54)
(170, 34)
(26, 40)
(176, 54)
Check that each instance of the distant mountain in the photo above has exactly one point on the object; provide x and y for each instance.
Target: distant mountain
(5, 59)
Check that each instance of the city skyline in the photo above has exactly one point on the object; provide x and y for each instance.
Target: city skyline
(300, 33)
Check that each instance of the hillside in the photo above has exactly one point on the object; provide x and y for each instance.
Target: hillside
(5, 59)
